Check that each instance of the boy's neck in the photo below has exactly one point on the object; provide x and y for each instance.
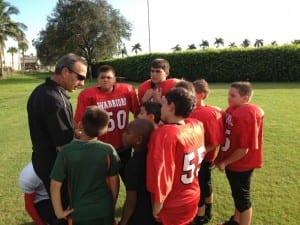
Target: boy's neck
(139, 148)
(83, 137)
(176, 120)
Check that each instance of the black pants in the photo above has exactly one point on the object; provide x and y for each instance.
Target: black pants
(46, 212)
(240, 188)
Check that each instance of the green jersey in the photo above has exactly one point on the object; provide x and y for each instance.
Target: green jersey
(85, 166)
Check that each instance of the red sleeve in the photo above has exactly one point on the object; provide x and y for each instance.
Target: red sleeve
(135, 105)
(83, 101)
(31, 210)
(253, 123)
(160, 165)
(214, 130)
(142, 89)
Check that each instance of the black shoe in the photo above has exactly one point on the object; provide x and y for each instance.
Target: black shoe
(208, 214)
(231, 221)
(199, 220)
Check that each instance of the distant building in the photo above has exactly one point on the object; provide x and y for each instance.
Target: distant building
(29, 63)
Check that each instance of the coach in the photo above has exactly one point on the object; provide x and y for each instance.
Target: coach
(50, 114)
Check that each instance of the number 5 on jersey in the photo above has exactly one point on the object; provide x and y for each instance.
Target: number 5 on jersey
(191, 166)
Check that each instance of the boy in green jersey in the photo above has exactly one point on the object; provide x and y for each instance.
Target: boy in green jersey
(90, 168)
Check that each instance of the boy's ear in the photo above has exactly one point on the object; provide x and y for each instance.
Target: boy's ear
(151, 116)
(246, 98)
(172, 106)
(102, 131)
(139, 140)
(80, 127)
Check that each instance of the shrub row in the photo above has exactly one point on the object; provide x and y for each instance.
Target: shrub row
(226, 65)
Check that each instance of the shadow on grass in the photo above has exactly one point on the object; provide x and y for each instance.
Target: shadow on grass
(23, 78)
(28, 223)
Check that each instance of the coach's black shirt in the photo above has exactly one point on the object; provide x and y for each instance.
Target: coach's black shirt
(51, 124)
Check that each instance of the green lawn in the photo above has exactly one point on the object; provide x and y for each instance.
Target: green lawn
(275, 188)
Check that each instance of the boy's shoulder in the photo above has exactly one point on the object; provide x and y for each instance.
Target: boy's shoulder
(249, 109)
(123, 87)
(145, 84)
(77, 144)
(89, 90)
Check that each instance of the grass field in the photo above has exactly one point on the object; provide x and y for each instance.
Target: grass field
(275, 188)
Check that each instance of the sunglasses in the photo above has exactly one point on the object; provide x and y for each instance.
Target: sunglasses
(79, 76)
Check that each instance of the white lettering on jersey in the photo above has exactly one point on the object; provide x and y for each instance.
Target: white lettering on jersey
(113, 103)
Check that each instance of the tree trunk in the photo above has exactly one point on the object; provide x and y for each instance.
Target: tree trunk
(1, 61)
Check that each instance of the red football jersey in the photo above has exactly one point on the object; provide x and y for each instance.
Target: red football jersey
(165, 87)
(213, 121)
(244, 129)
(118, 104)
(173, 161)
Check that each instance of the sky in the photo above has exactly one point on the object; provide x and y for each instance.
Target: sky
(186, 22)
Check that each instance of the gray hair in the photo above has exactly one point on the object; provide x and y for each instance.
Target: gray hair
(68, 61)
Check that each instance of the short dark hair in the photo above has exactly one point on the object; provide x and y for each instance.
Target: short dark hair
(161, 64)
(106, 68)
(201, 86)
(244, 88)
(94, 120)
(186, 85)
(183, 100)
(142, 127)
(153, 108)
(68, 61)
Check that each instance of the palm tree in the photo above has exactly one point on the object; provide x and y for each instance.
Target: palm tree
(192, 47)
(259, 43)
(204, 44)
(274, 43)
(218, 42)
(23, 46)
(296, 42)
(124, 51)
(9, 28)
(12, 51)
(177, 48)
(246, 43)
(232, 45)
(137, 47)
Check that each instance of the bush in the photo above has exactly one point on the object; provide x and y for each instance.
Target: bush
(254, 64)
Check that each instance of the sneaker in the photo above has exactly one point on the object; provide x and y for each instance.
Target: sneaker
(199, 220)
(231, 221)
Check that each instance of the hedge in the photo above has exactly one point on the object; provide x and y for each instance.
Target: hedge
(280, 63)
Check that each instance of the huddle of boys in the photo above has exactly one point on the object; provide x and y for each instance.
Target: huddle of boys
(174, 137)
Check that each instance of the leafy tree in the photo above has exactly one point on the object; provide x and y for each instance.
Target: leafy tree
(232, 45)
(92, 29)
(12, 51)
(218, 42)
(9, 28)
(258, 43)
(246, 43)
(136, 48)
(204, 44)
(192, 47)
(23, 46)
(177, 48)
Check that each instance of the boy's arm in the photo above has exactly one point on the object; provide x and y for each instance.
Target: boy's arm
(235, 156)
(129, 207)
(31, 210)
(115, 187)
(55, 188)
(156, 209)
